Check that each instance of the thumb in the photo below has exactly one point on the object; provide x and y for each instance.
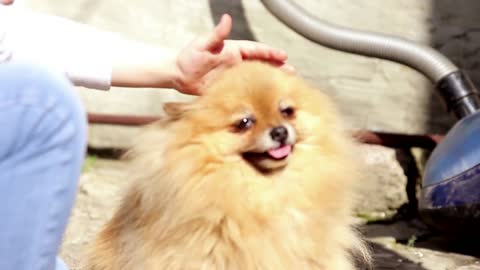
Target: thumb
(214, 41)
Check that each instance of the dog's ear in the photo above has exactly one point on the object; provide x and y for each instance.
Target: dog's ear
(176, 109)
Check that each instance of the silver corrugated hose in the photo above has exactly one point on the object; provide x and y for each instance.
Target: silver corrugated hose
(422, 58)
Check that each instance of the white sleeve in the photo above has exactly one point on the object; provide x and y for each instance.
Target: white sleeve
(82, 53)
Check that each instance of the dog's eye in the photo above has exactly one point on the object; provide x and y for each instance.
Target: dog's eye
(244, 124)
(288, 112)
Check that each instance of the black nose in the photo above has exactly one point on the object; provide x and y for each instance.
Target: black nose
(279, 134)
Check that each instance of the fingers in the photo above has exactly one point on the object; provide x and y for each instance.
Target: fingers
(214, 40)
(289, 69)
(285, 67)
(251, 50)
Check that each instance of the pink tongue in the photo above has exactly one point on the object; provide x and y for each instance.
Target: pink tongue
(280, 152)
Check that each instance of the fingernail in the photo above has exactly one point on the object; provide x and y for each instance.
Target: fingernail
(290, 69)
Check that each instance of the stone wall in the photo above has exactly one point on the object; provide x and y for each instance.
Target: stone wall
(372, 93)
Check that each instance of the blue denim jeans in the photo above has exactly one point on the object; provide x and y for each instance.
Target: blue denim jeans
(42, 147)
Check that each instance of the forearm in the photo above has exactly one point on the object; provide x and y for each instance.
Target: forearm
(88, 57)
(140, 65)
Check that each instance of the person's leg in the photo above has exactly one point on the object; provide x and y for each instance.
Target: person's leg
(42, 147)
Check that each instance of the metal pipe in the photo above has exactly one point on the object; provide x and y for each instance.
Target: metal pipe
(396, 140)
(420, 57)
(381, 138)
(120, 120)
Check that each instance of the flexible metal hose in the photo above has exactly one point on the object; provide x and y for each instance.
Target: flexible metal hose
(422, 58)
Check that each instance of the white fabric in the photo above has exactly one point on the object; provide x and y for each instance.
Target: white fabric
(80, 52)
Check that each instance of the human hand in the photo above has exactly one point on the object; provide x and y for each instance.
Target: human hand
(205, 57)
(6, 2)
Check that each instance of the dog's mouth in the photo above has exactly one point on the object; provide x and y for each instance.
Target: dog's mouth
(279, 153)
(271, 159)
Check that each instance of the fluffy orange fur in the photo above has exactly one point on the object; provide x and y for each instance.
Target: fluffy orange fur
(196, 203)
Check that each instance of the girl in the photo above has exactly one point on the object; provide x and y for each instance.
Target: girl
(43, 123)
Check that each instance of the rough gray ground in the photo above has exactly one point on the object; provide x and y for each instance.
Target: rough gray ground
(394, 244)
(100, 188)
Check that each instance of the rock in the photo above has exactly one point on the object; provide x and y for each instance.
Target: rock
(111, 137)
(383, 186)
(407, 232)
(475, 266)
(399, 256)
(410, 245)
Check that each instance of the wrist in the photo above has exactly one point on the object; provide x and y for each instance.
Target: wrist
(177, 76)
(146, 66)
(166, 70)
(166, 73)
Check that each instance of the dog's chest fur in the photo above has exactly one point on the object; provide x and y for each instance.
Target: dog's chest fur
(289, 242)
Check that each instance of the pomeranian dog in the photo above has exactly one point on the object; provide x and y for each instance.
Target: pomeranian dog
(258, 173)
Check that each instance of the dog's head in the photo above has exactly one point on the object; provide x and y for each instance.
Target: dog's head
(256, 112)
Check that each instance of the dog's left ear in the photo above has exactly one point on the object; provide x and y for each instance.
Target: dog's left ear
(176, 109)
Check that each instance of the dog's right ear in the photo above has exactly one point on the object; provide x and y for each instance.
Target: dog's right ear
(175, 110)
